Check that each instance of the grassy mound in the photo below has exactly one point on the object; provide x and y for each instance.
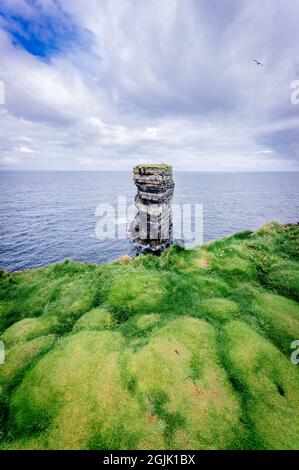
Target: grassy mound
(183, 351)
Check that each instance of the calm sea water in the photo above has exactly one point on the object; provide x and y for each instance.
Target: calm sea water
(46, 217)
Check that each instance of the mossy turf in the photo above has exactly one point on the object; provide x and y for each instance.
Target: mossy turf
(162, 166)
(189, 350)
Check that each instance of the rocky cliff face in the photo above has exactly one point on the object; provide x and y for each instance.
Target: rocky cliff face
(152, 227)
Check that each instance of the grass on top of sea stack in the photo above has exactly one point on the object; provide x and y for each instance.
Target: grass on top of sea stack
(189, 350)
(162, 166)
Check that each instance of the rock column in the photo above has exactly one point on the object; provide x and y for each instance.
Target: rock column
(152, 227)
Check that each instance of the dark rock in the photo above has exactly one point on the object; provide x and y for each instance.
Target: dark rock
(152, 227)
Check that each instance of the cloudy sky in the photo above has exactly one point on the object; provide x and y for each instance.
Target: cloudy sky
(106, 84)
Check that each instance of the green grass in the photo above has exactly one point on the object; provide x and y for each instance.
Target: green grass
(29, 328)
(267, 378)
(96, 319)
(154, 165)
(218, 309)
(189, 350)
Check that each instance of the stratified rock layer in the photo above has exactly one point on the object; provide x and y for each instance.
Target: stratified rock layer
(152, 227)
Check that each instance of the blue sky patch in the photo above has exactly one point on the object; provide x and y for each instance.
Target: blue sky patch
(42, 35)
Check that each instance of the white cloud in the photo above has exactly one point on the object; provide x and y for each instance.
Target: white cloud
(160, 81)
(25, 149)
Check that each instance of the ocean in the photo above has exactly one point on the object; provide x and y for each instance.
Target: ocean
(46, 217)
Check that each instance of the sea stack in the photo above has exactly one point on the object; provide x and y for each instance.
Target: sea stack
(152, 227)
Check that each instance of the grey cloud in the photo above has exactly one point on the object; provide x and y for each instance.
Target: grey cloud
(284, 142)
(172, 81)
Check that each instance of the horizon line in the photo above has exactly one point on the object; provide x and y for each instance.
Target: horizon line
(5, 170)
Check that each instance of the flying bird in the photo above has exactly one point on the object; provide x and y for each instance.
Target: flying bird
(257, 62)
